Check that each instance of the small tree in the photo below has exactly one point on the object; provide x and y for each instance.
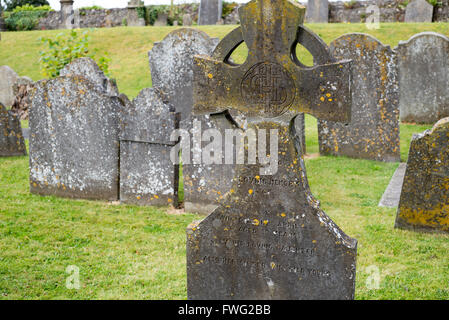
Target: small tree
(64, 49)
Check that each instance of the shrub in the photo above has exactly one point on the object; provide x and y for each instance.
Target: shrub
(228, 7)
(12, 4)
(65, 48)
(25, 18)
(92, 8)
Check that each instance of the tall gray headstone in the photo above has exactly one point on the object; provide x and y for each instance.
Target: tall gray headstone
(8, 78)
(147, 174)
(171, 65)
(373, 132)
(269, 239)
(12, 142)
(74, 143)
(419, 11)
(203, 184)
(210, 12)
(423, 63)
(317, 11)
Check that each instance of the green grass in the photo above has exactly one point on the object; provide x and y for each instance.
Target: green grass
(128, 47)
(129, 252)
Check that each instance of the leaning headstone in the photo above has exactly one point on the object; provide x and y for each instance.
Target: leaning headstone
(147, 174)
(87, 68)
(317, 11)
(8, 77)
(373, 132)
(269, 238)
(423, 63)
(187, 20)
(12, 142)
(210, 12)
(418, 11)
(424, 203)
(392, 194)
(74, 143)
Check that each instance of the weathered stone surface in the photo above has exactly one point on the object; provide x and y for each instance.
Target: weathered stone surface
(210, 12)
(206, 184)
(171, 63)
(87, 68)
(424, 203)
(317, 11)
(373, 132)
(147, 175)
(7, 79)
(174, 56)
(419, 11)
(74, 144)
(12, 142)
(390, 198)
(269, 239)
(423, 63)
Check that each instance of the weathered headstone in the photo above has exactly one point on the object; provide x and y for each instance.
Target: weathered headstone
(423, 63)
(374, 129)
(12, 142)
(419, 11)
(87, 68)
(74, 144)
(269, 239)
(210, 12)
(147, 175)
(317, 11)
(392, 194)
(161, 20)
(424, 203)
(7, 79)
(187, 20)
(173, 56)
(203, 184)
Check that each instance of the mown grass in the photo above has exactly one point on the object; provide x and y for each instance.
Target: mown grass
(128, 47)
(129, 252)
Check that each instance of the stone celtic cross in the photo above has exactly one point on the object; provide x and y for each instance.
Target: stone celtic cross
(269, 238)
(272, 80)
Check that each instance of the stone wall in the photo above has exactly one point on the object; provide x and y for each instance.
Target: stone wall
(88, 19)
(340, 11)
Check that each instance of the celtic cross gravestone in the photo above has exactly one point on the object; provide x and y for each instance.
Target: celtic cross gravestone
(269, 238)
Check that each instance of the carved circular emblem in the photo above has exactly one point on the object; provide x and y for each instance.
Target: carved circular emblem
(269, 87)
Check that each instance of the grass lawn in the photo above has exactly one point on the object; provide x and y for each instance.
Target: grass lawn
(134, 252)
